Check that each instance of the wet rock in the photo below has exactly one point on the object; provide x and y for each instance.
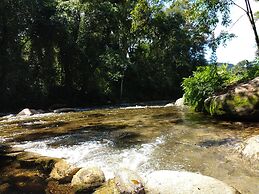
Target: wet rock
(54, 187)
(128, 182)
(170, 182)
(63, 171)
(29, 112)
(87, 179)
(108, 187)
(28, 186)
(250, 149)
(240, 102)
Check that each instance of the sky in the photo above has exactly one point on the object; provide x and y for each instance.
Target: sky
(242, 47)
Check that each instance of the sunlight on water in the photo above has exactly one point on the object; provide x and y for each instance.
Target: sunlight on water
(98, 153)
(141, 139)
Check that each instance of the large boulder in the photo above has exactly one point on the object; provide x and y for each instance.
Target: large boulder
(87, 179)
(127, 181)
(63, 171)
(174, 182)
(240, 102)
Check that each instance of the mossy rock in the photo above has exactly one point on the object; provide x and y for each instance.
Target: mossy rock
(240, 102)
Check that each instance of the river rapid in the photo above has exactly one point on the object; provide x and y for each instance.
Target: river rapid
(142, 139)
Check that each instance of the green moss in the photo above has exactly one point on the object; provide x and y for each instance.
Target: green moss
(231, 104)
(239, 101)
(216, 107)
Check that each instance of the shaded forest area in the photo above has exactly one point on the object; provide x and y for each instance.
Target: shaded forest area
(84, 52)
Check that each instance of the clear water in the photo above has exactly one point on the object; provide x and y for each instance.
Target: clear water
(143, 139)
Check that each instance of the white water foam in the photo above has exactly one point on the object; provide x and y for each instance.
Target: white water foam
(100, 154)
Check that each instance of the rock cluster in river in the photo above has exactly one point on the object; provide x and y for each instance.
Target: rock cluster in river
(128, 182)
(240, 102)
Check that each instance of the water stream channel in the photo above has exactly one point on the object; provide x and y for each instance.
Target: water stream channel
(143, 139)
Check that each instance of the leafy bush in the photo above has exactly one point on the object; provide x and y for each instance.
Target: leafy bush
(210, 80)
(204, 82)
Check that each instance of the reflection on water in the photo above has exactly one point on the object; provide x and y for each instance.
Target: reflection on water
(143, 139)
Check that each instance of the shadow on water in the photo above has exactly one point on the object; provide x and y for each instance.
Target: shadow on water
(87, 133)
(216, 143)
(113, 133)
(100, 133)
(166, 116)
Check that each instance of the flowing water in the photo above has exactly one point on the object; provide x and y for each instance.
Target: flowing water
(143, 139)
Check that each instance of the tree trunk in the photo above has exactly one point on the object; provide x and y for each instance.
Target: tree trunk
(250, 15)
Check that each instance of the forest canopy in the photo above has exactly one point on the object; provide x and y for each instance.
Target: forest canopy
(82, 52)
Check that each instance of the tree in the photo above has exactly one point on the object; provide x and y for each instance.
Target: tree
(249, 12)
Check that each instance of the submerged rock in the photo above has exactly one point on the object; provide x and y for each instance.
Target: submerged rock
(63, 171)
(240, 102)
(174, 182)
(129, 182)
(87, 179)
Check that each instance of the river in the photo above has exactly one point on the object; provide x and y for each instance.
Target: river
(143, 139)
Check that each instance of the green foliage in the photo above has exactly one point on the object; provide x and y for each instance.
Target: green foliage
(210, 80)
(204, 83)
(78, 52)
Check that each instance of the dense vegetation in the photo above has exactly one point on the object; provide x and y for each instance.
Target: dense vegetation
(214, 79)
(81, 52)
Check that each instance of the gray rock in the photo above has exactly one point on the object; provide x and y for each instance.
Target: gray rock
(63, 171)
(174, 182)
(27, 112)
(128, 182)
(87, 179)
(250, 149)
(179, 102)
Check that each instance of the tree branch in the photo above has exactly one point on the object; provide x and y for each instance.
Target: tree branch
(238, 6)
